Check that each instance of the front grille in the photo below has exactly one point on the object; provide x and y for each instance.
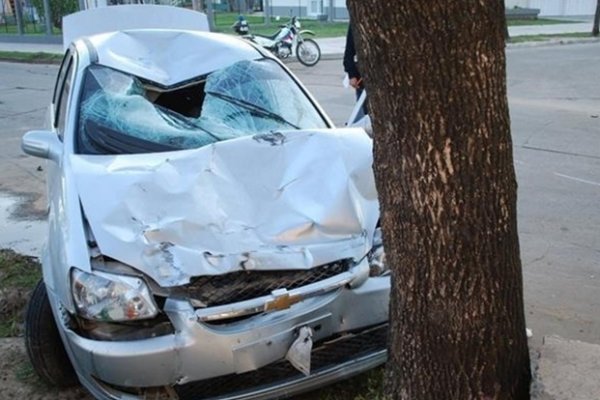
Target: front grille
(324, 356)
(245, 285)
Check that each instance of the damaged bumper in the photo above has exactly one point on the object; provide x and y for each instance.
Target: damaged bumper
(200, 351)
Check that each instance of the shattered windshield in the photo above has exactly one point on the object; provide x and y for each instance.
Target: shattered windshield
(121, 113)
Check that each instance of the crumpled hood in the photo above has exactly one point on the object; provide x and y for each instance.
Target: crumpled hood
(289, 200)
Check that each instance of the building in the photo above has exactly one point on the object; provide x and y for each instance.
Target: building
(309, 8)
(557, 8)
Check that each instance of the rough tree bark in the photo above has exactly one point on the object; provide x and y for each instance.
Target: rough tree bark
(596, 27)
(436, 78)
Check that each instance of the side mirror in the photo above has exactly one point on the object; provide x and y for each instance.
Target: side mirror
(42, 144)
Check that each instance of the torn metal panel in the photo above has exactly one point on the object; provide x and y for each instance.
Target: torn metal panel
(246, 203)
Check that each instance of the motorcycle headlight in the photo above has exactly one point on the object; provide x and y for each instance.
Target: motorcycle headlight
(107, 297)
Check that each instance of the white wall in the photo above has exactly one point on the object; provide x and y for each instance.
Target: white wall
(95, 3)
(516, 3)
(557, 7)
(547, 7)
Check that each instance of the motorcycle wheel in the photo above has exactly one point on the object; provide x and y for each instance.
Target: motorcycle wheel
(308, 52)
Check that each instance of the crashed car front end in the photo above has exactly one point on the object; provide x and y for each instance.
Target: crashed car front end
(233, 248)
(225, 287)
(241, 359)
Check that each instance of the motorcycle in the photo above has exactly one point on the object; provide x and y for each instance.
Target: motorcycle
(289, 40)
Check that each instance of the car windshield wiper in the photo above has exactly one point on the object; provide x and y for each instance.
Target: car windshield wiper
(253, 107)
(176, 120)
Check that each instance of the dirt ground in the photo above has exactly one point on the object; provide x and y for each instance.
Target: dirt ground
(18, 381)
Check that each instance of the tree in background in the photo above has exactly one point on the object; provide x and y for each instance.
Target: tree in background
(58, 9)
(436, 77)
(242, 6)
(596, 27)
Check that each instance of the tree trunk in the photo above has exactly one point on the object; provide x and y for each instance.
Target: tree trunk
(596, 28)
(436, 77)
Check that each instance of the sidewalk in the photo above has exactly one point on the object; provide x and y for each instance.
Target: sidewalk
(334, 47)
(566, 370)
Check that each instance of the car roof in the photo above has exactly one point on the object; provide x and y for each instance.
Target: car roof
(167, 57)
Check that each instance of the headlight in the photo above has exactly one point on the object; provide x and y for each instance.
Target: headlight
(107, 297)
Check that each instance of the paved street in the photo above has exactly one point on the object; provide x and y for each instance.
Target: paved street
(554, 94)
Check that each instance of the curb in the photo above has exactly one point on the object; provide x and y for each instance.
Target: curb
(554, 42)
(542, 43)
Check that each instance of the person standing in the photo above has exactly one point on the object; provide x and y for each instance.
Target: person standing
(351, 67)
(351, 61)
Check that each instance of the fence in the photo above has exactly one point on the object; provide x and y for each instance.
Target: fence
(23, 18)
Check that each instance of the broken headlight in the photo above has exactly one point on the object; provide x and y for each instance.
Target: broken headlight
(107, 297)
(377, 264)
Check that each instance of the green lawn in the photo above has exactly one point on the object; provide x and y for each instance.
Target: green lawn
(21, 56)
(18, 276)
(29, 29)
(539, 21)
(224, 21)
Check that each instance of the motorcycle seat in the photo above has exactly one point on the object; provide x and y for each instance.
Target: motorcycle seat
(271, 37)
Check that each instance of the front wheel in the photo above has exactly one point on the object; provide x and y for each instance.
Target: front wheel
(44, 345)
(308, 52)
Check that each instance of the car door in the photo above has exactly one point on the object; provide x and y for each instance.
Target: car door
(59, 111)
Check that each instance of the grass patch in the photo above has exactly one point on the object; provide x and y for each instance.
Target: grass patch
(24, 373)
(539, 21)
(22, 56)
(224, 21)
(545, 38)
(18, 276)
(28, 29)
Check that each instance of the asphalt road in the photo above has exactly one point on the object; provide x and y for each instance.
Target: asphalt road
(554, 96)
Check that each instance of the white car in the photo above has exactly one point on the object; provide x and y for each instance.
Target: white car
(211, 234)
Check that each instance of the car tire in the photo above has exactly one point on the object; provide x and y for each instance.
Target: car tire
(43, 343)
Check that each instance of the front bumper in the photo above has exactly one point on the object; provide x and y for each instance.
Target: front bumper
(202, 352)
